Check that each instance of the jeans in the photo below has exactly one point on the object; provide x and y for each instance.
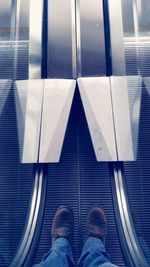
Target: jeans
(60, 255)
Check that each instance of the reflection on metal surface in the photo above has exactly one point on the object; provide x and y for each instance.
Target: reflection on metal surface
(58, 95)
(116, 33)
(136, 25)
(80, 27)
(19, 20)
(91, 44)
(15, 19)
(14, 37)
(122, 124)
(60, 39)
(142, 39)
(5, 19)
(29, 97)
(35, 46)
(14, 30)
(126, 227)
(96, 98)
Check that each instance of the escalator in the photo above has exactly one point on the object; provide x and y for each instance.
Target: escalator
(79, 181)
(91, 53)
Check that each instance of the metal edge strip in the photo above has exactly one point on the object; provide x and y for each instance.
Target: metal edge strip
(35, 35)
(116, 29)
(78, 38)
(38, 209)
(15, 20)
(127, 234)
(74, 40)
(32, 219)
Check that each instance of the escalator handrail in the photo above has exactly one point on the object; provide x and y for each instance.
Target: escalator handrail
(28, 235)
(128, 237)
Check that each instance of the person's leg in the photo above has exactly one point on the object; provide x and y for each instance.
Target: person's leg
(60, 254)
(94, 253)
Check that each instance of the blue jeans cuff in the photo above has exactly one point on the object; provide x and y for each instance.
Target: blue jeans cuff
(93, 243)
(62, 245)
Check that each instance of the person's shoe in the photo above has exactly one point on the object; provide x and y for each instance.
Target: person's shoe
(96, 223)
(63, 223)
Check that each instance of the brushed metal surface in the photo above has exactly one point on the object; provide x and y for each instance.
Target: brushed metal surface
(60, 39)
(116, 34)
(35, 39)
(91, 40)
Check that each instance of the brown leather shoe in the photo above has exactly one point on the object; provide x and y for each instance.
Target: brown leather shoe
(63, 223)
(96, 223)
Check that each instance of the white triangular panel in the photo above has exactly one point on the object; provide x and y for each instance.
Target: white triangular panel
(29, 97)
(58, 96)
(122, 121)
(96, 98)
